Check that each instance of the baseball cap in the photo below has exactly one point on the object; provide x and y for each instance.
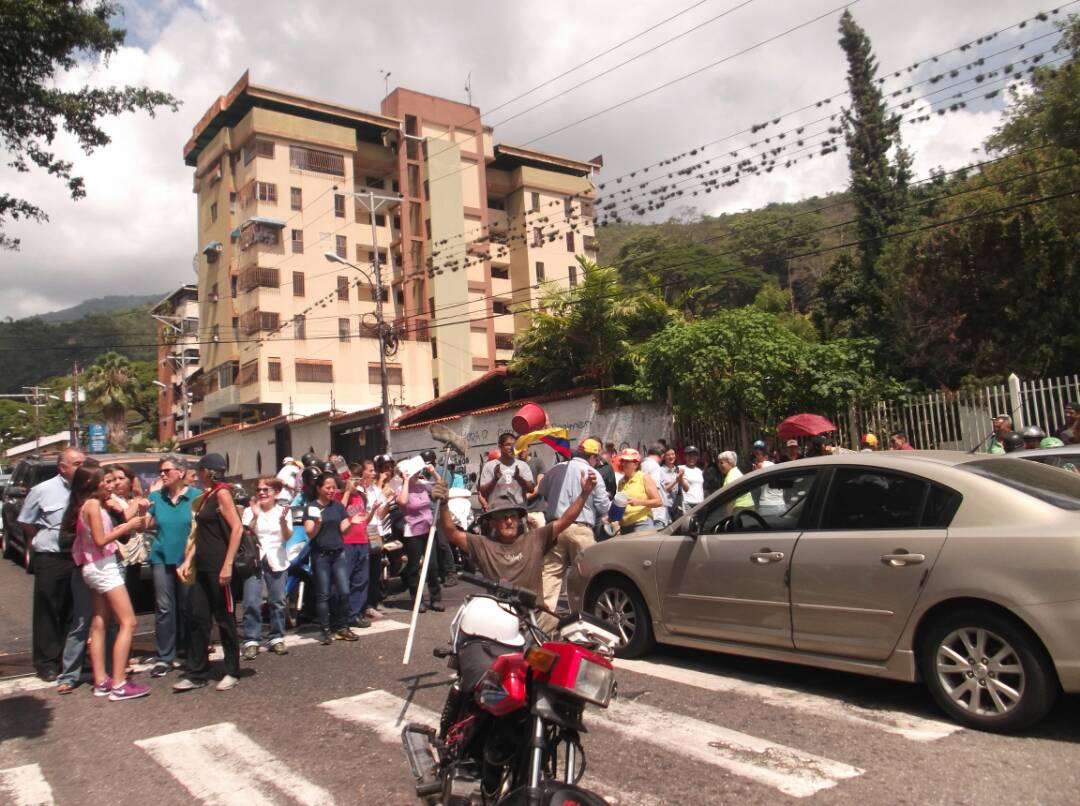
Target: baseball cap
(213, 461)
(869, 439)
(792, 443)
(590, 445)
(691, 449)
(759, 445)
(629, 455)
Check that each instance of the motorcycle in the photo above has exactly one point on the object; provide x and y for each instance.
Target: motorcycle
(511, 727)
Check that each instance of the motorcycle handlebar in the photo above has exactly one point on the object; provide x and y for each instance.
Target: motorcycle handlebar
(502, 590)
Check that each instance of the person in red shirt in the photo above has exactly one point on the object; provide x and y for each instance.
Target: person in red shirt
(898, 441)
(354, 534)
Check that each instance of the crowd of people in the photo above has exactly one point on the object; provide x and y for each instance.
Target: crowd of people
(337, 528)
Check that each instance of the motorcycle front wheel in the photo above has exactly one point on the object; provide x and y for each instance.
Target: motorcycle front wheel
(554, 793)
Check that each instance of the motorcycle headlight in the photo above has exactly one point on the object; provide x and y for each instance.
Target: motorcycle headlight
(594, 682)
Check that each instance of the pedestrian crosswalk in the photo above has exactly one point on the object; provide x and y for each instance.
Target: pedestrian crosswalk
(230, 762)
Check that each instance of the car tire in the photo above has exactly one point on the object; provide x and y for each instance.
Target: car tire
(8, 549)
(1010, 686)
(28, 557)
(617, 601)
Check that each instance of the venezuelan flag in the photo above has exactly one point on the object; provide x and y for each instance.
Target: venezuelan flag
(558, 439)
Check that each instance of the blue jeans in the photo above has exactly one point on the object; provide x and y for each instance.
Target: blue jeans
(640, 526)
(75, 643)
(275, 604)
(330, 566)
(356, 557)
(170, 595)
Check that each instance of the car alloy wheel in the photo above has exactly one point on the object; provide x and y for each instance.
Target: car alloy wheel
(987, 670)
(980, 671)
(619, 604)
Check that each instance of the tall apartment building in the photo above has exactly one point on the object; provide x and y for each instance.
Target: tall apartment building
(178, 358)
(474, 227)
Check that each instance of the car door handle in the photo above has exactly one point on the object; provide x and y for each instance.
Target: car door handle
(901, 559)
(763, 557)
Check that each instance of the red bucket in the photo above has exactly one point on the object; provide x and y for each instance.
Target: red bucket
(529, 418)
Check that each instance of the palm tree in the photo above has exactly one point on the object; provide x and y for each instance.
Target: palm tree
(111, 387)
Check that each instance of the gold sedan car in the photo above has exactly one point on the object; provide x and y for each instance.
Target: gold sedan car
(956, 569)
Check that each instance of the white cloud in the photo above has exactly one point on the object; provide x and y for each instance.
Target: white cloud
(135, 233)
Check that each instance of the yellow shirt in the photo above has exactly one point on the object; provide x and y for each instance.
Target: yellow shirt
(744, 500)
(634, 487)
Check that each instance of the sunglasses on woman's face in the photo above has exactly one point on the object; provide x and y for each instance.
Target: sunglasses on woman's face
(262, 489)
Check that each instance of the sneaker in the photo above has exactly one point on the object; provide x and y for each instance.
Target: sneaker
(159, 669)
(251, 651)
(345, 634)
(227, 682)
(437, 606)
(361, 622)
(279, 648)
(373, 615)
(326, 638)
(103, 689)
(451, 580)
(128, 691)
(188, 684)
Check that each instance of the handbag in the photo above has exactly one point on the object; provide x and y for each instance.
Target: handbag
(136, 550)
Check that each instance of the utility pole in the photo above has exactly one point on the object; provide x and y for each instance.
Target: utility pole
(75, 404)
(34, 398)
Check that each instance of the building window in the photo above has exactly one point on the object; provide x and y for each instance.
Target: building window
(538, 236)
(500, 272)
(339, 205)
(416, 254)
(499, 306)
(254, 321)
(375, 182)
(343, 288)
(568, 207)
(300, 327)
(314, 371)
(571, 274)
(298, 284)
(249, 373)
(258, 277)
(540, 277)
(496, 203)
(310, 159)
(266, 192)
(298, 241)
(273, 369)
(414, 216)
(535, 206)
(258, 148)
(394, 375)
(213, 213)
(215, 334)
(410, 125)
(380, 219)
(214, 293)
(414, 180)
(296, 198)
(234, 282)
(569, 242)
(343, 330)
(341, 246)
(504, 341)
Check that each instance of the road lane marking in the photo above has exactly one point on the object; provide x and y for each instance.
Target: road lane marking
(296, 639)
(914, 728)
(25, 786)
(386, 715)
(23, 685)
(219, 765)
(791, 771)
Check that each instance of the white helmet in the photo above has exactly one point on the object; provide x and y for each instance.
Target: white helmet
(484, 617)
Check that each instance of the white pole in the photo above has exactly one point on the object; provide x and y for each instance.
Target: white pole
(1014, 402)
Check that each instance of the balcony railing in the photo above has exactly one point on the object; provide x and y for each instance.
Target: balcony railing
(259, 277)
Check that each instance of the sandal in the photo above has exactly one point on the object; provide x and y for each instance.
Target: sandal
(65, 688)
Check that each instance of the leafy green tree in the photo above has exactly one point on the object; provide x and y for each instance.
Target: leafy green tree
(44, 38)
(746, 363)
(852, 292)
(585, 336)
(770, 238)
(111, 387)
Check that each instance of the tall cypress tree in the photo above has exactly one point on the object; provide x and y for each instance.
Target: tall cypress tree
(851, 293)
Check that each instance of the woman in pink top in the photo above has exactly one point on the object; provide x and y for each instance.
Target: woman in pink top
(95, 551)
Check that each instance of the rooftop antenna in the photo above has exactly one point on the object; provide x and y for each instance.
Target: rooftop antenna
(386, 81)
(468, 86)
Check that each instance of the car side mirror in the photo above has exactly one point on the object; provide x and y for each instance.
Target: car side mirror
(693, 527)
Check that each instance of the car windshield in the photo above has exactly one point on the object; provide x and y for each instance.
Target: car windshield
(1037, 480)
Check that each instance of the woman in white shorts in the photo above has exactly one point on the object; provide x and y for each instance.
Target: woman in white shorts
(95, 552)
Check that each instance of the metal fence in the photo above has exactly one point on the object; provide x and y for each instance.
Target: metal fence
(940, 420)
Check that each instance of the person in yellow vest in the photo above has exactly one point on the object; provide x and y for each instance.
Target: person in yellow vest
(729, 462)
(640, 491)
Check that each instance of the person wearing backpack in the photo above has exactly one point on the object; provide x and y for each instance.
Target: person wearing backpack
(271, 525)
(208, 569)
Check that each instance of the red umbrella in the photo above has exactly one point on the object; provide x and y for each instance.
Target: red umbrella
(804, 425)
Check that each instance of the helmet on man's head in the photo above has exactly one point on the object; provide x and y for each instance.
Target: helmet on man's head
(308, 459)
(1012, 442)
(428, 456)
(309, 477)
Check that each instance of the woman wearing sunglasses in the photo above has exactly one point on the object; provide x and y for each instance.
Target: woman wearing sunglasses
(271, 524)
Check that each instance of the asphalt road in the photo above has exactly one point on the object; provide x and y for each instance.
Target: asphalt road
(320, 725)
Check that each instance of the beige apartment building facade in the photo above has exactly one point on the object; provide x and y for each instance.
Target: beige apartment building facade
(469, 229)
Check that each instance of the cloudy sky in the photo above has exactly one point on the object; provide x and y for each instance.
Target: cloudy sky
(135, 233)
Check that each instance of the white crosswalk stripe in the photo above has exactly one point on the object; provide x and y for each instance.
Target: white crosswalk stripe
(914, 728)
(386, 715)
(219, 765)
(785, 768)
(25, 786)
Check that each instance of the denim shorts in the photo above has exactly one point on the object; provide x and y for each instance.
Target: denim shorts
(102, 575)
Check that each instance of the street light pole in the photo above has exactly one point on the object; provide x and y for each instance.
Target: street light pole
(373, 202)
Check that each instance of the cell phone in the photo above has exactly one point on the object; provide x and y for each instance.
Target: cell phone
(314, 512)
